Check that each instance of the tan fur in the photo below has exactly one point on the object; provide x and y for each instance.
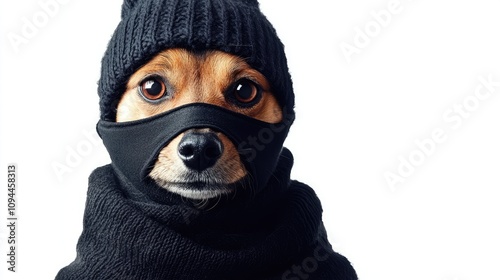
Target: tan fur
(197, 78)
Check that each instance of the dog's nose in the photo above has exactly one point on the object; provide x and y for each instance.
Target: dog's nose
(200, 151)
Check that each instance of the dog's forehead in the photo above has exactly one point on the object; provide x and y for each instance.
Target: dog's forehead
(218, 67)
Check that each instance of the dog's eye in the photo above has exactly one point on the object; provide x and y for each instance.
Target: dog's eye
(246, 92)
(153, 88)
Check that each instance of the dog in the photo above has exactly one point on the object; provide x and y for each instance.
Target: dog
(199, 163)
(196, 101)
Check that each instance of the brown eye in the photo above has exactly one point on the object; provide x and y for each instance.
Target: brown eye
(153, 88)
(246, 92)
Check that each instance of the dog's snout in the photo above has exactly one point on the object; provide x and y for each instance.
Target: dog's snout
(200, 150)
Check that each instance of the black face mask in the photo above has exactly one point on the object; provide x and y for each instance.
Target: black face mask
(134, 146)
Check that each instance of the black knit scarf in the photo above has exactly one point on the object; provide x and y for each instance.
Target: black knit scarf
(277, 234)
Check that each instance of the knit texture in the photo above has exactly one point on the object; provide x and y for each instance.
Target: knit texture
(150, 26)
(279, 235)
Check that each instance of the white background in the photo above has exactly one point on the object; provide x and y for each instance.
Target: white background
(355, 121)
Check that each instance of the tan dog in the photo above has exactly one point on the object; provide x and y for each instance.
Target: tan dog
(196, 101)
(177, 77)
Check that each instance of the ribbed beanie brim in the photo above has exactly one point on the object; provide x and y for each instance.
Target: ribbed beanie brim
(150, 26)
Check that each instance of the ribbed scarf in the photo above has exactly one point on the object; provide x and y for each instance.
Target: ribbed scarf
(277, 234)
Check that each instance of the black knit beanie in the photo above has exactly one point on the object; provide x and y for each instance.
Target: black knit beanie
(148, 27)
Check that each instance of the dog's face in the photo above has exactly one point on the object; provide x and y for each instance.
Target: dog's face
(198, 163)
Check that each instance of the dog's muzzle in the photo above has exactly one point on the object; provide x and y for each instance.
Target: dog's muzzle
(134, 146)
